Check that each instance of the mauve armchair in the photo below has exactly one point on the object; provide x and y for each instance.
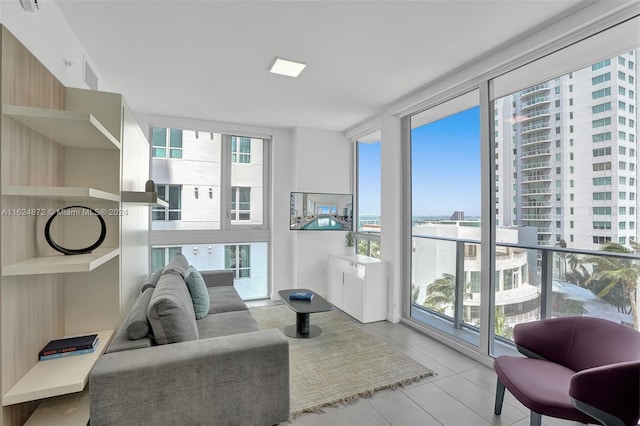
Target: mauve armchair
(576, 368)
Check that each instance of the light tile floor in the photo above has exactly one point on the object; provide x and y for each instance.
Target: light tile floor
(461, 394)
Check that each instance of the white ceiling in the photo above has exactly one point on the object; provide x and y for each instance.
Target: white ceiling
(209, 59)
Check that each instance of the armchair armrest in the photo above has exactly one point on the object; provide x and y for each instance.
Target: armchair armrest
(608, 391)
(241, 379)
(217, 278)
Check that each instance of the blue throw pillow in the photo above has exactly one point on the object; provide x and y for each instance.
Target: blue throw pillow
(199, 293)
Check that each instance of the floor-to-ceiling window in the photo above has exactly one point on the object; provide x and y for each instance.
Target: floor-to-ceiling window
(563, 155)
(217, 192)
(445, 212)
(555, 139)
(369, 221)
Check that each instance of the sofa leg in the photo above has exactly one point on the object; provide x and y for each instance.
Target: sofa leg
(499, 398)
(536, 419)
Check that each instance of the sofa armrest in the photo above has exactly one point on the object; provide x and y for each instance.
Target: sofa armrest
(218, 278)
(241, 379)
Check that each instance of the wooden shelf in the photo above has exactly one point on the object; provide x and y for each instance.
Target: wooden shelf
(58, 264)
(68, 128)
(59, 193)
(58, 376)
(143, 197)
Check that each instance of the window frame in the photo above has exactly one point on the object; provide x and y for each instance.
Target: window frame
(167, 210)
(167, 146)
(486, 84)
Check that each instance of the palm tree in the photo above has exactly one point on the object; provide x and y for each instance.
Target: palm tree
(578, 275)
(618, 273)
(563, 256)
(500, 327)
(441, 293)
(415, 293)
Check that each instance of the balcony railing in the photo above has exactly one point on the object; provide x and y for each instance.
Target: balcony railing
(537, 165)
(535, 152)
(535, 217)
(550, 283)
(535, 139)
(536, 178)
(536, 204)
(534, 113)
(535, 101)
(545, 125)
(533, 89)
(532, 191)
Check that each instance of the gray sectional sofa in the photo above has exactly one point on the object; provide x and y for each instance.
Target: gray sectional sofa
(165, 367)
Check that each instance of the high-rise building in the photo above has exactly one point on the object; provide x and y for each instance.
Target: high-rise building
(566, 156)
(213, 184)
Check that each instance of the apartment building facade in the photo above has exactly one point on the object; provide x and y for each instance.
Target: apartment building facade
(566, 156)
(213, 184)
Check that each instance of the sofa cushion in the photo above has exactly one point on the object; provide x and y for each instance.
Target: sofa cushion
(179, 264)
(136, 322)
(170, 311)
(226, 324)
(152, 280)
(225, 299)
(218, 277)
(121, 342)
(198, 290)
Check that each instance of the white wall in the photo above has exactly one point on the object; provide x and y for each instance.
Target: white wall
(322, 162)
(50, 39)
(392, 189)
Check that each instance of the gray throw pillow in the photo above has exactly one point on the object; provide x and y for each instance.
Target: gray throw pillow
(136, 322)
(152, 280)
(198, 291)
(170, 311)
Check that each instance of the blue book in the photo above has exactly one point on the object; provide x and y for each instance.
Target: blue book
(69, 353)
(301, 295)
(69, 344)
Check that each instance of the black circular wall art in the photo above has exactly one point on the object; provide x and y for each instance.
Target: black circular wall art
(85, 250)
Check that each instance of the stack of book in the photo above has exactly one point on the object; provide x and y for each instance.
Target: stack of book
(301, 295)
(69, 346)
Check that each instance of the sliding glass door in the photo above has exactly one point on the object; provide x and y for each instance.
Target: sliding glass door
(445, 210)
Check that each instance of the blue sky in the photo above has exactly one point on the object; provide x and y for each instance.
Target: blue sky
(446, 165)
(369, 179)
(445, 168)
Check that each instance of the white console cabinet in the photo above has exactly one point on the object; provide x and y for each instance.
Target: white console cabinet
(358, 286)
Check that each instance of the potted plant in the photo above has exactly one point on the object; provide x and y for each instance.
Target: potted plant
(350, 241)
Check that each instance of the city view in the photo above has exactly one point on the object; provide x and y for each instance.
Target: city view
(565, 171)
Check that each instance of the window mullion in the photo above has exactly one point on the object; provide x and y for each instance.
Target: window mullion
(225, 184)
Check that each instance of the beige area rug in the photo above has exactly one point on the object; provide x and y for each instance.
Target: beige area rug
(341, 365)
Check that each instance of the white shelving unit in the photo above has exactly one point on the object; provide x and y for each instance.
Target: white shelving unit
(64, 146)
(58, 376)
(65, 410)
(358, 286)
(143, 197)
(60, 193)
(60, 264)
(91, 171)
(68, 128)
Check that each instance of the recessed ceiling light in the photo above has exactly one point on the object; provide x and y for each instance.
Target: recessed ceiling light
(288, 68)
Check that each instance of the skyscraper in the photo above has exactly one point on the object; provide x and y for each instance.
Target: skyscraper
(566, 156)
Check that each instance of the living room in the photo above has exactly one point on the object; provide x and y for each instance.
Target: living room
(311, 140)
